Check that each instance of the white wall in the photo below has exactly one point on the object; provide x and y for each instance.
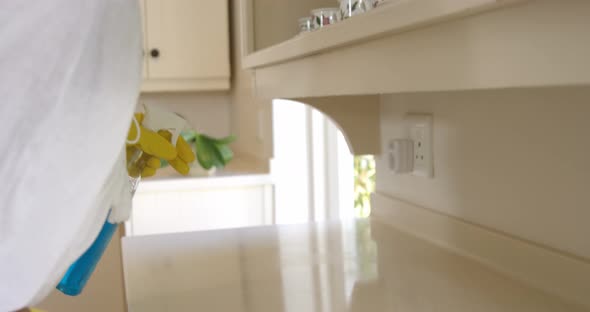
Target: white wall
(207, 112)
(517, 161)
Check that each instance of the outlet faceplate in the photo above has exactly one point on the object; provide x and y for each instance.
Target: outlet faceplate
(400, 154)
(420, 132)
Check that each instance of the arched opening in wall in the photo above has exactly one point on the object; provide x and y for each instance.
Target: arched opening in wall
(315, 175)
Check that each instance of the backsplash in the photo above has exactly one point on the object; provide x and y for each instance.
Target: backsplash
(516, 161)
(206, 112)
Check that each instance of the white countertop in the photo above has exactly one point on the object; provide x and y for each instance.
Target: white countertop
(351, 266)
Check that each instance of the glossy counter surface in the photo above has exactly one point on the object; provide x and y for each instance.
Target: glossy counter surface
(350, 266)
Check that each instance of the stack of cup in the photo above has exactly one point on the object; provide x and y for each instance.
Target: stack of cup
(350, 8)
(319, 18)
(305, 24)
(325, 16)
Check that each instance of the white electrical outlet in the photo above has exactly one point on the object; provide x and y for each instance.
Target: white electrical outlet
(400, 155)
(420, 131)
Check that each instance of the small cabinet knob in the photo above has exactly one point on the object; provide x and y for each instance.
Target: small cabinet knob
(155, 53)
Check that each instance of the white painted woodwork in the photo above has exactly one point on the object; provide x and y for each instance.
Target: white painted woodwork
(528, 44)
(197, 204)
(356, 116)
(192, 37)
(430, 45)
(391, 18)
(188, 84)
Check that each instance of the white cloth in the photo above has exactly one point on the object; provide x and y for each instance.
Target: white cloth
(69, 81)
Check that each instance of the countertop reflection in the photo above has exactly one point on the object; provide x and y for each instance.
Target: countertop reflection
(350, 266)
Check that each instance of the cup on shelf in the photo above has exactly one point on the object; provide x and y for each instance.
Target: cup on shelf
(383, 2)
(324, 17)
(349, 8)
(305, 24)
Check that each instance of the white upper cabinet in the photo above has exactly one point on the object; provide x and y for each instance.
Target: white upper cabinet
(186, 45)
(418, 46)
(409, 46)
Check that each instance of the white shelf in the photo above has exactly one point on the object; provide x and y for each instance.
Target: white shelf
(393, 17)
(425, 46)
(468, 45)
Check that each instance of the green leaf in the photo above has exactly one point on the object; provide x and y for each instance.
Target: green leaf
(225, 153)
(189, 136)
(226, 140)
(354, 6)
(217, 161)
(213, 152)
(205, 151)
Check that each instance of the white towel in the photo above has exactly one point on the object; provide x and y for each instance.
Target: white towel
(69, 81)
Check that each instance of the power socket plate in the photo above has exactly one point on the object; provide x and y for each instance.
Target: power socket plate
(421, 133)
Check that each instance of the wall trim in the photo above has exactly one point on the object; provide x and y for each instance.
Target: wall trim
(548, 270)
(196, 84)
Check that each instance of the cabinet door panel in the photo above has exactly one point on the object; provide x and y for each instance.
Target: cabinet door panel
(192, 37)
(183, 210)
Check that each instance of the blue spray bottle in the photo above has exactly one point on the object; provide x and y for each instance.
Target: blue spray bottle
(77, 275)
(80, 271)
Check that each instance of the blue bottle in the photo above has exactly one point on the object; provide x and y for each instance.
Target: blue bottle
(80, 271)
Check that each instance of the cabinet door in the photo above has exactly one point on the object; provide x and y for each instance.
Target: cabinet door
(186, 210)
(191, 38)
